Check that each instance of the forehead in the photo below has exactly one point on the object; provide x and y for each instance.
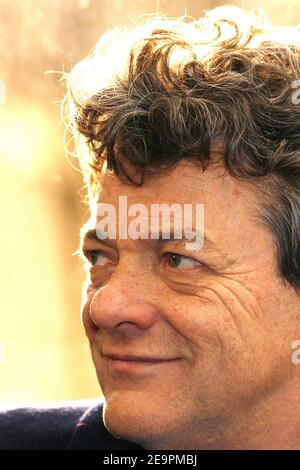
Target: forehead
(230, 215)
(184, 183)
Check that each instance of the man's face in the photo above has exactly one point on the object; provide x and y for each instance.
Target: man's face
(220, 313)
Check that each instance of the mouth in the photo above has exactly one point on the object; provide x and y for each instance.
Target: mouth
(134, 364)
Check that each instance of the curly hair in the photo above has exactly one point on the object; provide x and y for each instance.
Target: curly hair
(219, 88)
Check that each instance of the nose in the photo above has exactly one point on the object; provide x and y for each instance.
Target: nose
(123, 308)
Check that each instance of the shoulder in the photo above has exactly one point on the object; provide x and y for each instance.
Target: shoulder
(54, 426)
(46, 426)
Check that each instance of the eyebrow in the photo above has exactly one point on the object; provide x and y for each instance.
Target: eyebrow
(163, 238)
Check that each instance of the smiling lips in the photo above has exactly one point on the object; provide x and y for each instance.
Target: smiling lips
(128, 364)
(125, 357)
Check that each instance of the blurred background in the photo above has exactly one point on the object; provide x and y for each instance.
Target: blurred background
(43, 352)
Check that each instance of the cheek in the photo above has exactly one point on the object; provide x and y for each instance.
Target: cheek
(199, 323)
(209, 331)
(229, 342)
(209, 340)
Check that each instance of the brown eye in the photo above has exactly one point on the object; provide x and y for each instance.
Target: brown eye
(97, 257)
(177, 261)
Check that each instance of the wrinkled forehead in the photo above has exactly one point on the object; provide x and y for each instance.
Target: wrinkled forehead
(230, 205)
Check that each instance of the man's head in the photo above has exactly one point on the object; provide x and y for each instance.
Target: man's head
(193, 113)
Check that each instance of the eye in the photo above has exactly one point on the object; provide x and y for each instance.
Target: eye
(97, 257)
(177, 261)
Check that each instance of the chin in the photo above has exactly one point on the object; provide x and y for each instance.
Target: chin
(125, 421)
(135, 420)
